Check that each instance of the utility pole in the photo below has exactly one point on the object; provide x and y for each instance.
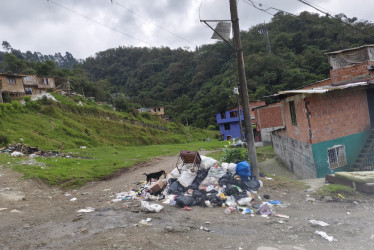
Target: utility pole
(252, 157)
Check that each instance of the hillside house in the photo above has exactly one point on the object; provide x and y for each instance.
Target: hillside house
(10, 84)
(328, 125)
(228, 121)
(37, 85)
(159, 111)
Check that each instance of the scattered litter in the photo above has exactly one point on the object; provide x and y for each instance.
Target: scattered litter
(320, 223)
(151, 207)
(73, 199)
(66, 194)
(308, 198)
(86, 210)
(15, 211)
(84, 230)
(148, 219)
(341, 196)
(187, 208)
(275, 202)
(348, 213)
(204, 229)
(266, 196)
(82, 147)
(144, 223)
(282, 216)
(327, 237)
(3, 208)
(16, 154)
(268, 178)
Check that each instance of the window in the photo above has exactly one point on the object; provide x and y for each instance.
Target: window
(292, 112)
(233, 114)
(11, 80)
(45, 81)
(223, 115)
(336, 156)
(28, 91)
(227, 126)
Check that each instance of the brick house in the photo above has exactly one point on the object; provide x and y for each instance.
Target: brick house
(267, 119)
(10, 84)
(328, 125)
(228, 121)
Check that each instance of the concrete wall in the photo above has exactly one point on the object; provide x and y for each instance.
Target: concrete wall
(296, 155)
(353, 145)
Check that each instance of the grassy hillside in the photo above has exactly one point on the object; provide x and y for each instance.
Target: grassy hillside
(66, 125)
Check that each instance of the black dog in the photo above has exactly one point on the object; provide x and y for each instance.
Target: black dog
(155, 175)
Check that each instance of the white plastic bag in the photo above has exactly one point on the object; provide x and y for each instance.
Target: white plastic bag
(245, 201)
(230, 167)
(208, 181)
(16, 154)
(187, 177)
(175, 173)
(217, 172)
(150, 207)
(207, 162)
(230, 201)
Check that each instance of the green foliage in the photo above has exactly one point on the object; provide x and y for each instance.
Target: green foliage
(335, 189)
(232, 154)
(4, 140)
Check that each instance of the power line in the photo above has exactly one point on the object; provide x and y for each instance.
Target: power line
(252, 3)
(338, 19)
(150, 21)
(93, 20)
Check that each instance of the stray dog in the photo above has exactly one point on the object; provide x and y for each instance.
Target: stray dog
(155, 175)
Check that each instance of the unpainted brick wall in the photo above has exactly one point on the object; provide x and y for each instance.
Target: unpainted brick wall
(270, 117)
(300, 131)
(338, 113)
(351, 72)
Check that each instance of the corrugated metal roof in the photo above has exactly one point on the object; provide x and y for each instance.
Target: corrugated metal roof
(351, 49)
(321, 90)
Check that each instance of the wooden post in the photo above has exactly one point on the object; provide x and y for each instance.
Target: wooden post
(252, 157)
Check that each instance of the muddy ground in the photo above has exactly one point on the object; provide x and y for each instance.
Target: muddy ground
(37, 216)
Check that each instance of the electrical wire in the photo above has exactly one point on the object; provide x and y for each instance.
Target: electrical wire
(252, 3)
(338, 19)
(93, 20)
(150, 21)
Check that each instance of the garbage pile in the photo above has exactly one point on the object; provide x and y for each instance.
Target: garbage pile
(19, 150)
(212, 184)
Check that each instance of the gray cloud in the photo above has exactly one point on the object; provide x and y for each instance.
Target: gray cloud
(40, 25)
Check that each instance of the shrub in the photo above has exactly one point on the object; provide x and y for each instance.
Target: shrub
(211, 127)
(16, 105)
(4, 140)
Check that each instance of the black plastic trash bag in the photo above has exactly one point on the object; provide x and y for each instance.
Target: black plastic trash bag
(215, 200)
(251, 184)
(182, 201)
(175, 188)
(231, 190)
(227, 179)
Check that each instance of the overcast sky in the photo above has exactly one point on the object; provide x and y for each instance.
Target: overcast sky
(84, 27)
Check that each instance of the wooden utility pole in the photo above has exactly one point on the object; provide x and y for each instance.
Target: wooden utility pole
(252, 157)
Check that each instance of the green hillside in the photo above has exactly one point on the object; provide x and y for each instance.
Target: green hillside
(66, 125)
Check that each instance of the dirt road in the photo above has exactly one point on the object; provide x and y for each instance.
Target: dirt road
(36, 216)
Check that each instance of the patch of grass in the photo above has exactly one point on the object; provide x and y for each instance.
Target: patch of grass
(280, 182)
(96, 163)
(263, 153)
(335, 189)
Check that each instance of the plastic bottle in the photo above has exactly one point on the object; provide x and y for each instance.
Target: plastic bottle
(227, 210)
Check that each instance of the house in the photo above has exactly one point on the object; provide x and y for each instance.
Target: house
(228, 121)
(37, 85)
(267, 119)
(328, 125)
(10, 84)
(159, 111)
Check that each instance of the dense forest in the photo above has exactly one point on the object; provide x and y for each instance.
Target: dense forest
(195, 85)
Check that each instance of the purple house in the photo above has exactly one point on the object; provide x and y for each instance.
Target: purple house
(228, 122)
